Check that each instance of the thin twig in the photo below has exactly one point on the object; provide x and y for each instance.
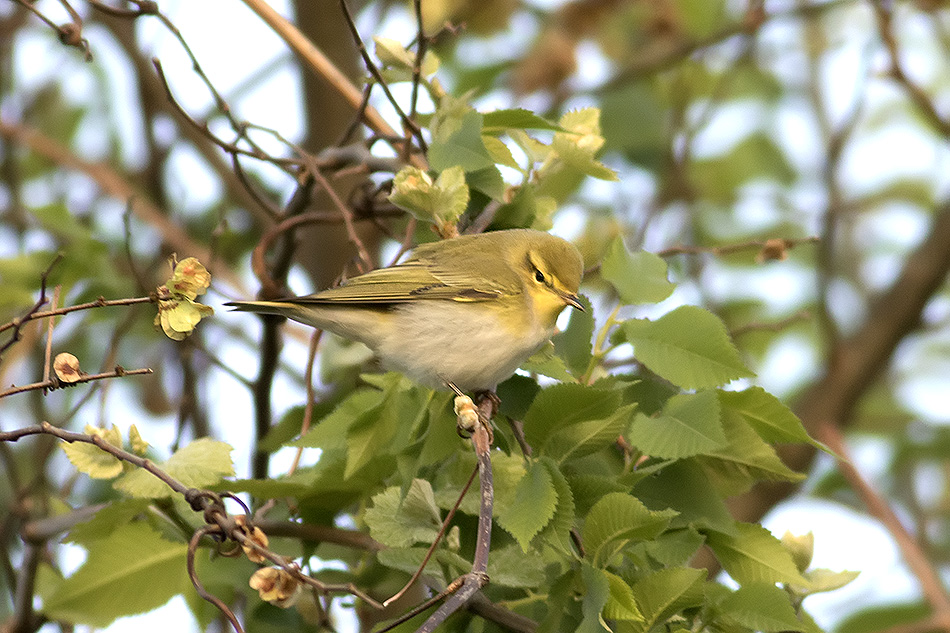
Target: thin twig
(101, 302)
(378, 76)
(438, 537)
(17, 323)
(51, 384)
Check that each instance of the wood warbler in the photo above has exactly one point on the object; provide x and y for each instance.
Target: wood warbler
(466, 311)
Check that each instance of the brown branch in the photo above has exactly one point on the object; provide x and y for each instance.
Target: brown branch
(931, 584)
(101, 302)
(54, 383)
(774, 326)
(319, 63)
(472, 582)
(728, 249)
(69, 34)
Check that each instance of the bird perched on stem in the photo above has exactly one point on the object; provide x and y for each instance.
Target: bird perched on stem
(463, 312)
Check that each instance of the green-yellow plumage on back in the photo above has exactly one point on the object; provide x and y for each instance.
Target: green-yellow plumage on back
(468, 310)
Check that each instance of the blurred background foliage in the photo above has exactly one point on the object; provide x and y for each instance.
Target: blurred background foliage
(728, 122)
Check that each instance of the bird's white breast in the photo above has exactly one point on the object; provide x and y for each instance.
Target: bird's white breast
(465, 343)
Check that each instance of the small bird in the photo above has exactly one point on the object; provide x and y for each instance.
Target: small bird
(463, 312)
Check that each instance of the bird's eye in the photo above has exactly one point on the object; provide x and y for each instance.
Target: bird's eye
(538, 276)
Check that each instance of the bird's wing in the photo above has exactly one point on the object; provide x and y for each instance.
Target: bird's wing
(412, 280)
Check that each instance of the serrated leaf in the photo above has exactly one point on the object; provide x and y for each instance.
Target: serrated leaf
(515, 118)
(500, 153)
(200, 464)
(132, 571)
(596, 594)
(561, 405)
(621, 605)
(761, 607)
(92, 460)
(558, 530)
(744, 459)
(616, 520)
(399, 523)
(584, 438)
(768, 416)
(531, 507)
(638, 277)
(462, 148)
(753, 555)
(689, 425)
(688, 346)
(581, 142)
(667, 592)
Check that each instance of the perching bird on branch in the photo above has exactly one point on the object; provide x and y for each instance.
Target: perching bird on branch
(466, 311)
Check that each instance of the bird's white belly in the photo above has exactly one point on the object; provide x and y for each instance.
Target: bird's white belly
(465, 343)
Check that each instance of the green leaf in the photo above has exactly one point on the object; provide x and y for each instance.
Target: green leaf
(767, 415)
(616, 520)
(441, 201)
(574, 343)
(547, 363)
(689, 425)
(330, 431)
(667, 592)
(596, 594)
(398, 522)
(198, 465)
(132, 571)
(753, 555)
(688, 346)
(744, 459)
(821, 580)
(584, 438)
(561, 405)
(621, 605)
(92, 460)
(558, 530)
(581, 142)
(498, 121)
(107, 520)
(488, 181)
(675, 547)
(883, 618)
(639, 277)
(531, 507)
(761, 607)
(685, 488)
(512, 567)
(516, 395)
(463, 147)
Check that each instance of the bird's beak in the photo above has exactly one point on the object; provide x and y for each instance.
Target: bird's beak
(572, 301)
